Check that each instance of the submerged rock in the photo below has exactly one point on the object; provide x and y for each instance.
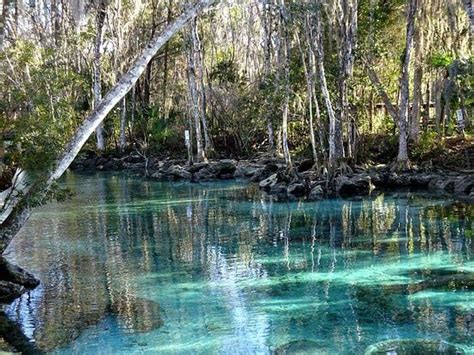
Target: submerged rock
(413, 347)
(300, 347)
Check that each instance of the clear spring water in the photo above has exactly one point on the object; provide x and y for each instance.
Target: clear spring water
(129, 266)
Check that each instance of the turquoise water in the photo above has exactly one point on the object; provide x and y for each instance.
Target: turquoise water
(129, 266)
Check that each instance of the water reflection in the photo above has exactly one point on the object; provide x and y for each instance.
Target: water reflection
(132, 266)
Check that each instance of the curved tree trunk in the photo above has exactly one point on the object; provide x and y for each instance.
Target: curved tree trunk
(26, 189)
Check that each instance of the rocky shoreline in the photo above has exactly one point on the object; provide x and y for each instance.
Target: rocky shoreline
(272, 176)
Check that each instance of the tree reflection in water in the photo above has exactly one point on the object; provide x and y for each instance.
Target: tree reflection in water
(129, 264)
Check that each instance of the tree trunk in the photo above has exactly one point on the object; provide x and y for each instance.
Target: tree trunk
(348, 32)
(267, 44)
(194, 95)
(333, 154)
(123, 124)
(402, 158)
(286, 83)
(3, 21)
(468, 6)
(198, 55)
(100, 19)
(309, 92)
(417, 91)
(374, 79)
(18, 207)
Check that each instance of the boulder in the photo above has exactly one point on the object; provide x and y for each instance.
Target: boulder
(224, 168)
(280, 191)
(465, 185)
(420, 180)
(297, 189)
(316, 193)
(246, 170)
(355, 185)
(177, 172)
(267, 170)
(442, 183)
(197, 167)
(269, 182)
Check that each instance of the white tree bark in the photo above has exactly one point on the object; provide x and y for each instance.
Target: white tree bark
(194, 95)
(17, 209)
(333, 156)
(402, 157)
(286, 90)
(123, 125)
(97, 85)
(267, 59)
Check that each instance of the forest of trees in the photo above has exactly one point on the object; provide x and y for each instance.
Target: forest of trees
(297, 78)
(329, 80)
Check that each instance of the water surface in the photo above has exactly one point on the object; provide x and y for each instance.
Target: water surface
(129, 266)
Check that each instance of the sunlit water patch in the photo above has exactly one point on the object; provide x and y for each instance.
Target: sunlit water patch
(129, 266)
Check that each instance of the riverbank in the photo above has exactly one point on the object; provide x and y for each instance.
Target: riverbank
(272, 176)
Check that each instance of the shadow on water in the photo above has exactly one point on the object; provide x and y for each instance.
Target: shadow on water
(129, 265)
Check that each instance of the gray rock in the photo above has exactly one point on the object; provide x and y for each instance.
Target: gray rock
(465, 185)
(297, 189)
(268, 170)
(280, 191)
(442, 183)
(177, 172)
(246, 170)
(269, 182)
(355, 185)
(316, 193)
(197, 167)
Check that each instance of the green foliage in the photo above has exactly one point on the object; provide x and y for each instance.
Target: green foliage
(226, 72)
(427, 147)
(44, 105)
(441, 60)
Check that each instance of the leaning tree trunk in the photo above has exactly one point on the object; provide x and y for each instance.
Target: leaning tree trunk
(25, 191)
(402, 158)
(97, 86)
